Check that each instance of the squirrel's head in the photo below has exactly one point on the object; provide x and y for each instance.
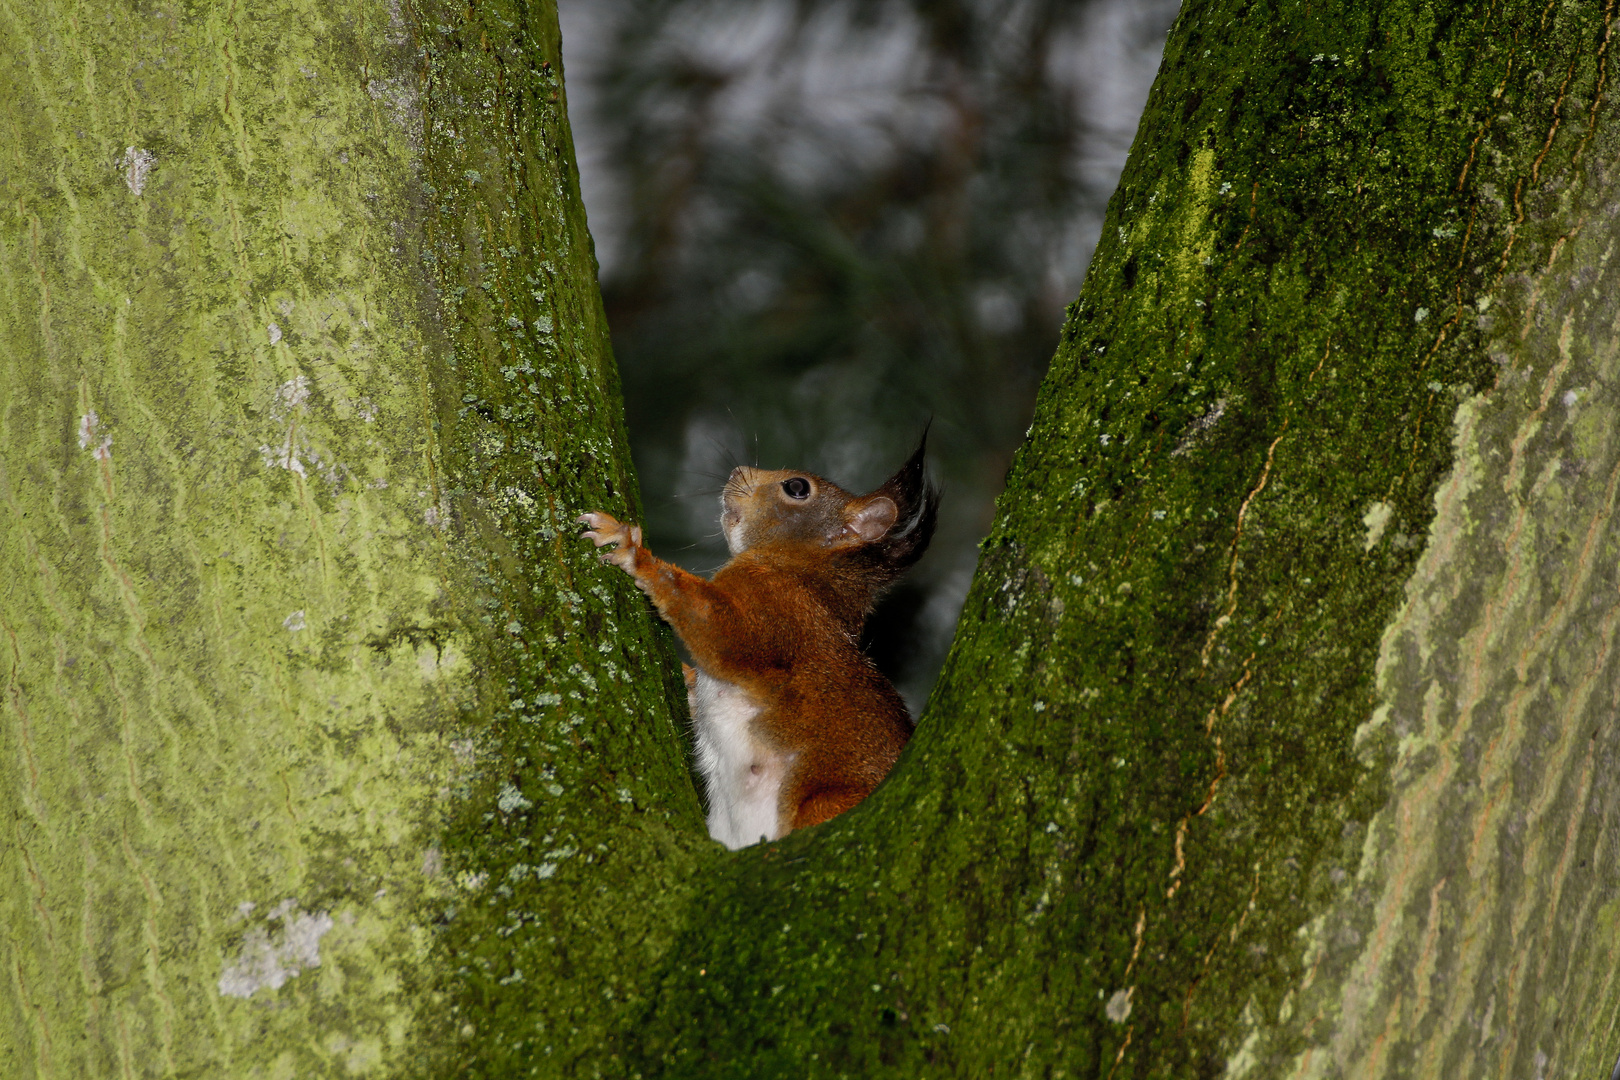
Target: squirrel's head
(888, 528)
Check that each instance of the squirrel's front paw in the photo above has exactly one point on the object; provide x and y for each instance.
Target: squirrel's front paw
(605, 529)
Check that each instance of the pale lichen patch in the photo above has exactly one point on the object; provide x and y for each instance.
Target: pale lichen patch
(284, 456)
(288, 400)
(511, 799)
(137, 165)
(1377, 520)
(89, 430)
(269, 957)
(290, 395)
(1197, 428)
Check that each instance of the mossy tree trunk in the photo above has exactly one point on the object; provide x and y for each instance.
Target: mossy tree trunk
(304, 379)
(1278, 736)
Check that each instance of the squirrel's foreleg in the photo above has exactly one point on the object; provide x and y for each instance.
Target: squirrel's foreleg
(690, 604)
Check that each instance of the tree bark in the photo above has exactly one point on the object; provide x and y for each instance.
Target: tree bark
(305, 379)
(1277, 735)
(1277, 739)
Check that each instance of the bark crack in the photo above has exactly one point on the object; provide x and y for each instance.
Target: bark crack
(1552, 132)
(1602, 78)
(1215, 714)
(1231, 571)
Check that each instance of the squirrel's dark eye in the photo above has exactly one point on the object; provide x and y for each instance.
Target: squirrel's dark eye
(797, 487)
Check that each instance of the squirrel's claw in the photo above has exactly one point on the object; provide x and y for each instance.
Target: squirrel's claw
(604, 529)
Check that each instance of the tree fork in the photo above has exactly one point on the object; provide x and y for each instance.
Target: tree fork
(1273, 742)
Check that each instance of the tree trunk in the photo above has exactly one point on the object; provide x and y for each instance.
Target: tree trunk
(1276, 740)
(305, 379)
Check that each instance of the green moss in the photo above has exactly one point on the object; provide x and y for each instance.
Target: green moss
(1138, 776)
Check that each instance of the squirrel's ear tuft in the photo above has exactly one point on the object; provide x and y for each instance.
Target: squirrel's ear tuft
(917, 510)
(868, 519)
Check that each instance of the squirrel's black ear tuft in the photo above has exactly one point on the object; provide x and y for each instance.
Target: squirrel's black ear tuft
(918, 503)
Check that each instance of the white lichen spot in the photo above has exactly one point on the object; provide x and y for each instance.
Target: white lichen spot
(470, 882)
(137, 164)
(1570, 398)
(1199, 426)
(275, 333)
(431, 516)
(1377, 520)
(269, 957)
(432, 862)
(1421, 314)
(290, 395)
(284, 456)
(295, 621)
(1118, 1008)
(289, 398)
(511, 799)
(89, 430)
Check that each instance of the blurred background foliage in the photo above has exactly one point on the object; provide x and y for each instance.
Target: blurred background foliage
(821, 223)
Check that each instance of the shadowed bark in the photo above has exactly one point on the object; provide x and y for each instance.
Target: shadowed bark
(1277, 739)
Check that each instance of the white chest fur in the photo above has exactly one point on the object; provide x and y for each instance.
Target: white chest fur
(743, 776)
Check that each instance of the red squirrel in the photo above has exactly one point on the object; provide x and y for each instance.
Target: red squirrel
(794, 723)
